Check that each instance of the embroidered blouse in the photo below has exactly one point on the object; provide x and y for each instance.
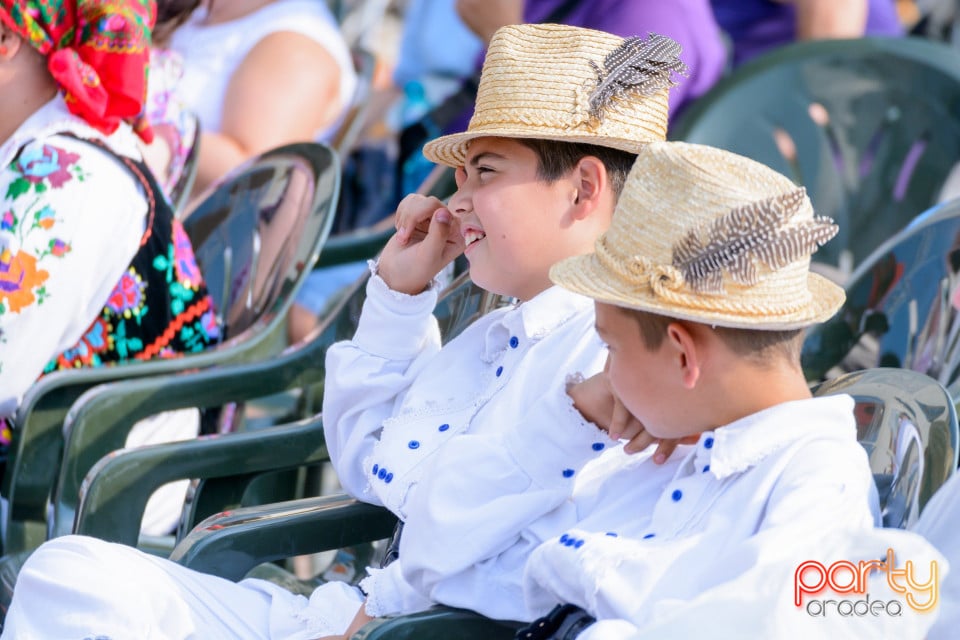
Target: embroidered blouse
(83, 235)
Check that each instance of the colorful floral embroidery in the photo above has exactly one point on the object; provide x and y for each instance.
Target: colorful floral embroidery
(20, 281)
(127, 298)
(86, 353)
(186, 263)
(8, 221)
(160, 306)
(43, 167)
(39, 168)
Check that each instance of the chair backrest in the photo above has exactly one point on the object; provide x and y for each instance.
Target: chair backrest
(868, 126)
(183, 183)
(908, 424)
(256, 234)
(901, 308)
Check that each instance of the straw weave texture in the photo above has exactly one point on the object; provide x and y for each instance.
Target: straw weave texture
(676, 187)
(535, 83)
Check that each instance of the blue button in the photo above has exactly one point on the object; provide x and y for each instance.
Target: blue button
(570, 542)
(567, 473)
(708, 443)
(444, 427)
(564, 538)
(414, 444)
(676, 495)
(578, 544)
(597, 446)
(499, 371)
(382, 474)
(514, 342)
(375, 469)
(388, 478)
(706, 468)
(648, 536)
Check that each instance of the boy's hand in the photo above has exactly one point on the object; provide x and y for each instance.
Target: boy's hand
(427, 239)
(596, 402)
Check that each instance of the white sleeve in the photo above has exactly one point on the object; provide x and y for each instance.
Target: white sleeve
(489, 500)
(71, 220)
(634, 580)
(367, 376)
(758, 602)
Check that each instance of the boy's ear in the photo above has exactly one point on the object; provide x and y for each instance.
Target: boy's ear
(590, 176)
(686, 352)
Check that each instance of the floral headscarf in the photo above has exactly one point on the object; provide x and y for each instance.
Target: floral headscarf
(97, 50)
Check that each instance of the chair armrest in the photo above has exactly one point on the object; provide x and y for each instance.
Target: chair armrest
(438, 623)
(38, 443)
(115, 493)
(231, 543)
(101, 419)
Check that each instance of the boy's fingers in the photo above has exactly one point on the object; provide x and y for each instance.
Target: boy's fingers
(436, 239)
(639, 442)
(619, 421)
(411, 212)
(664, 450)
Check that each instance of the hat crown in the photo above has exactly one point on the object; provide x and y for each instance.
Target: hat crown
(537, 81)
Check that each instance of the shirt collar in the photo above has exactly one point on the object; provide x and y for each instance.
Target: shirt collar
(53, 118)
(533, 319)
(746, 442)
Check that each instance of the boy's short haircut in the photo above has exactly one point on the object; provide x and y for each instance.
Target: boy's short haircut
(556, 158)
(757, 345)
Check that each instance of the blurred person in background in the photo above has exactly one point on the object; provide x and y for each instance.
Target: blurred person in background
(259, 74)
(757, 26)
(689, 22)
(175, 129)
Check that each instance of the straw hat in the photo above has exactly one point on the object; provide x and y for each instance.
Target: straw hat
(706, 235)
(557, 82)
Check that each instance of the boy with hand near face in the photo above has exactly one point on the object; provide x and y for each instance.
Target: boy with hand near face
(702, 288)
(475, 446)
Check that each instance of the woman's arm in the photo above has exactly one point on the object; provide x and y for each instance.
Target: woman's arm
(285, 90)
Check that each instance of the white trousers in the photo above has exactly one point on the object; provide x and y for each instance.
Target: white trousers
(77, 587)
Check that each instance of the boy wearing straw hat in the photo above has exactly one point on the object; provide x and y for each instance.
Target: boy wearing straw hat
(702, 288)
(475, 446)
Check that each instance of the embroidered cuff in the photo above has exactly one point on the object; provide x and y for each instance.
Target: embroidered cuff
(389, 594)
(395, 325)
(554, 443)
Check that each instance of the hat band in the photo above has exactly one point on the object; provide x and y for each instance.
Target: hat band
(667, 283)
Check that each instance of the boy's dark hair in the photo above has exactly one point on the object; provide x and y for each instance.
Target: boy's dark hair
(170, 15)
(758, 345)
(557, 158)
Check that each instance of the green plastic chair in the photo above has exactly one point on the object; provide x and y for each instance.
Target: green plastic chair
(868, 126)
(255, 235)
(906, 422)
(901, 308)
(102, 419)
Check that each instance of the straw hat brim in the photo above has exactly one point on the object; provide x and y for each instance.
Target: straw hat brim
(586, 275)
(451, 150)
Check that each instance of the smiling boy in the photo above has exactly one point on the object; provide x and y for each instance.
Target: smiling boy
(475, 446)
